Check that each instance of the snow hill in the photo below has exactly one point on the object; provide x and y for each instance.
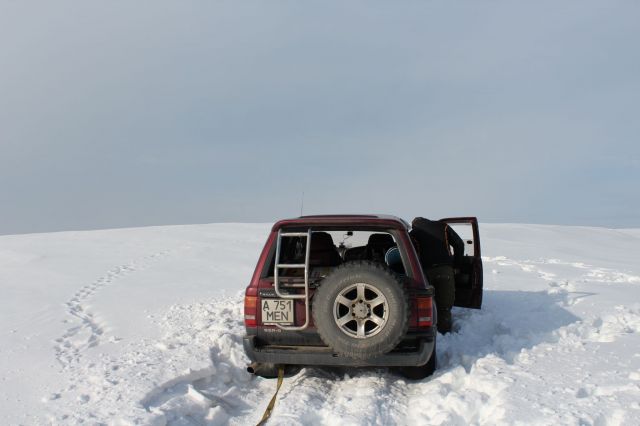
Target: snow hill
(144, 326)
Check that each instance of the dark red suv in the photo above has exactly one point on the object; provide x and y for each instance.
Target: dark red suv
(348, 290)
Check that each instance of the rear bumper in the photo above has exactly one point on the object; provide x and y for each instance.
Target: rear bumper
(321, 355)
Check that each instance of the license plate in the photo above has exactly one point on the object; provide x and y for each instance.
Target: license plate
(277, 311)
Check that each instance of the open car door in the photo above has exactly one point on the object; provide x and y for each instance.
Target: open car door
(468, 274)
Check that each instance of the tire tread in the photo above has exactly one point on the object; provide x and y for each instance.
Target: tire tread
(382, 347)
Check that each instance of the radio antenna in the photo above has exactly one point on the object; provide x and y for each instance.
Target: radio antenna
(302, 204)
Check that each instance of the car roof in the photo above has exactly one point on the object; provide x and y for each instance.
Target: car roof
(348, 220)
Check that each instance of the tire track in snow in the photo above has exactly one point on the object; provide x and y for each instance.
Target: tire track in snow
(592, 273)
(541, 363)
(88, 331)
(610, 326)
(319, 396)
(491, 351)
(223, 393)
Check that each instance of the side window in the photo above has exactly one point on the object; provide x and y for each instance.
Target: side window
(465, 231)
(291, 251)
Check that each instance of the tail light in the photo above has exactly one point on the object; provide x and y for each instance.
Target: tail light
(250, 310)
(424, 310)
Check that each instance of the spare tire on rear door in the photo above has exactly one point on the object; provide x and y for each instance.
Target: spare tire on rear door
(361, 310)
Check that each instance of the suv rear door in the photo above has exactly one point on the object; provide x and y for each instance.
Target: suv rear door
(469, 273)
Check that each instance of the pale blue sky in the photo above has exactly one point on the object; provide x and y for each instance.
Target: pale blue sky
(140, 113)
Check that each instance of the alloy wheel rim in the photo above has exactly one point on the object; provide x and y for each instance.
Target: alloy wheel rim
(360, 310)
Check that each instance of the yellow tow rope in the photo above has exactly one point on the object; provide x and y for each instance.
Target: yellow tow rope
(272, 403)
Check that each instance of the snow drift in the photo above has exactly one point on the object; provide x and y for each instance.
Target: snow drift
(144, 326)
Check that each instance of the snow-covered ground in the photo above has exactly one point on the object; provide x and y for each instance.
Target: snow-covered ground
(144, 326)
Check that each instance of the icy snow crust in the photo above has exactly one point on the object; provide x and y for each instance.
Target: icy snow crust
(144, 326)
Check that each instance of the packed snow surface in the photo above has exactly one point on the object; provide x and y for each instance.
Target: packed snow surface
(144, 326)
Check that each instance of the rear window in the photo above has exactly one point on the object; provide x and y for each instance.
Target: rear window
(331, 248)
